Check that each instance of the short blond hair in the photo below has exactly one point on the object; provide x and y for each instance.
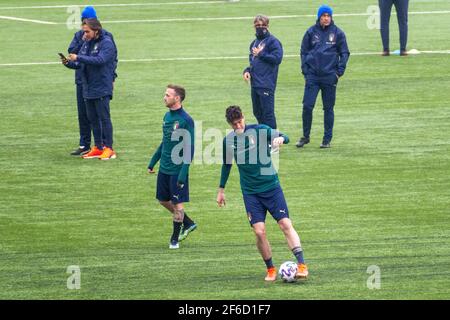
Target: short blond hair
(264, 19)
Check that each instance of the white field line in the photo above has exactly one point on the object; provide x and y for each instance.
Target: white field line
(251, 18)
(219, 18)
(26, 20)
(202, 58)
(119, 5)
(156, 4)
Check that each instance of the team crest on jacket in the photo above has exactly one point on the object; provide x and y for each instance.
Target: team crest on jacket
(331, 38)
(176, 125)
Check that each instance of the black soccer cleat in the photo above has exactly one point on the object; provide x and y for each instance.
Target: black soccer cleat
(302, 142)
(325, 145)
(80, 151)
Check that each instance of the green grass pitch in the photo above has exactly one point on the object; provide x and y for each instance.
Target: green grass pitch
(380, 196)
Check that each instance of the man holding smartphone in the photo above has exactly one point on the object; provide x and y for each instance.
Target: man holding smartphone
(74, 47)
(97, 60)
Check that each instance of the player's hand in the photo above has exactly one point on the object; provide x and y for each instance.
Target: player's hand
(72, 57)
(221, 198)
(64, 61)
(247, 76)
(257, 50)
(277, 142)
(151, 170)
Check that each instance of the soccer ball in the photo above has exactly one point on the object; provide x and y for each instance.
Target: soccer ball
(287, 271)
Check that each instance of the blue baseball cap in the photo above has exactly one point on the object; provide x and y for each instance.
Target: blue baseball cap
(88, 13)
(324, 9)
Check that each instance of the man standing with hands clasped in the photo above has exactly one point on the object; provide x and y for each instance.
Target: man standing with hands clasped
(324, 55)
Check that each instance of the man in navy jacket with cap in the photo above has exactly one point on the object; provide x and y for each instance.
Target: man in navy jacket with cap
(97, 60)
(83, 121)
(265, 56)
(324, 55)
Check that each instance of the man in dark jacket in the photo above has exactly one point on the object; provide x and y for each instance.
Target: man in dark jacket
(265, 55)
(97, 60)
(324, 55)
(83, 121)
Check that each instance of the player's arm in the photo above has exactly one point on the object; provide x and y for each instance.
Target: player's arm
(246, 72)
(154, 160)
(277, 138)
(344, 54)
(304, 50)
(105, 55)
(76, 43)
(188, 145)
(274, 56)
(225, 173)
(71, 64)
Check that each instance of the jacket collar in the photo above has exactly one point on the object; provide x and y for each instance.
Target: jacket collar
(326, 28)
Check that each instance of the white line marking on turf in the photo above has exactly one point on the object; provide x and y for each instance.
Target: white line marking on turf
(212, 18)
(251, 18)
(206, 58)
(27, 20)
(119, 5)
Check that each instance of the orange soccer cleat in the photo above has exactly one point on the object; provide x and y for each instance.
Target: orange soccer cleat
(302, 271)
(94, 153)
(271, 274)
(107, 154)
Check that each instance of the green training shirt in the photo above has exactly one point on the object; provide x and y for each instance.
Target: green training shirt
(251, 152)
(178, 135)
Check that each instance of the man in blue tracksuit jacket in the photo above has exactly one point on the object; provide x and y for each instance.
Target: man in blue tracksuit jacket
(324, 55)
(97, 60)
(265, 56)
(83, 121)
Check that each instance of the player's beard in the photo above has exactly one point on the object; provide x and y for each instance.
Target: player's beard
(169, 104)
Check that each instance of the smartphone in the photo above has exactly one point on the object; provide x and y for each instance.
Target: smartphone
(62, 56)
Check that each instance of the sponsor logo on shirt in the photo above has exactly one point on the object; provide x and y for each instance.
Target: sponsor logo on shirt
(316, 39)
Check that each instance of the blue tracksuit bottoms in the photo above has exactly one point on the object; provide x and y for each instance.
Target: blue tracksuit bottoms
(83, 120)
(263, 101)
(327, 85)
(100, 118)
(401, 7)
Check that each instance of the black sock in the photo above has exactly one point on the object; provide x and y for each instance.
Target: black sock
(298, 253)
(187, 221)
(176, 231)
(269, 263)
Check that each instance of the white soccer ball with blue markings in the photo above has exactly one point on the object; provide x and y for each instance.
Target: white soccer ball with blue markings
(287, 271)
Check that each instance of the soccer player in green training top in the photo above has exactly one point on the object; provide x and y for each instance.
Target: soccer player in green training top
(175, 152)
(250, 146)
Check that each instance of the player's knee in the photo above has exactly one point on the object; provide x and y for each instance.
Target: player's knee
(260, 232)
(285, 225)
(308, 108)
